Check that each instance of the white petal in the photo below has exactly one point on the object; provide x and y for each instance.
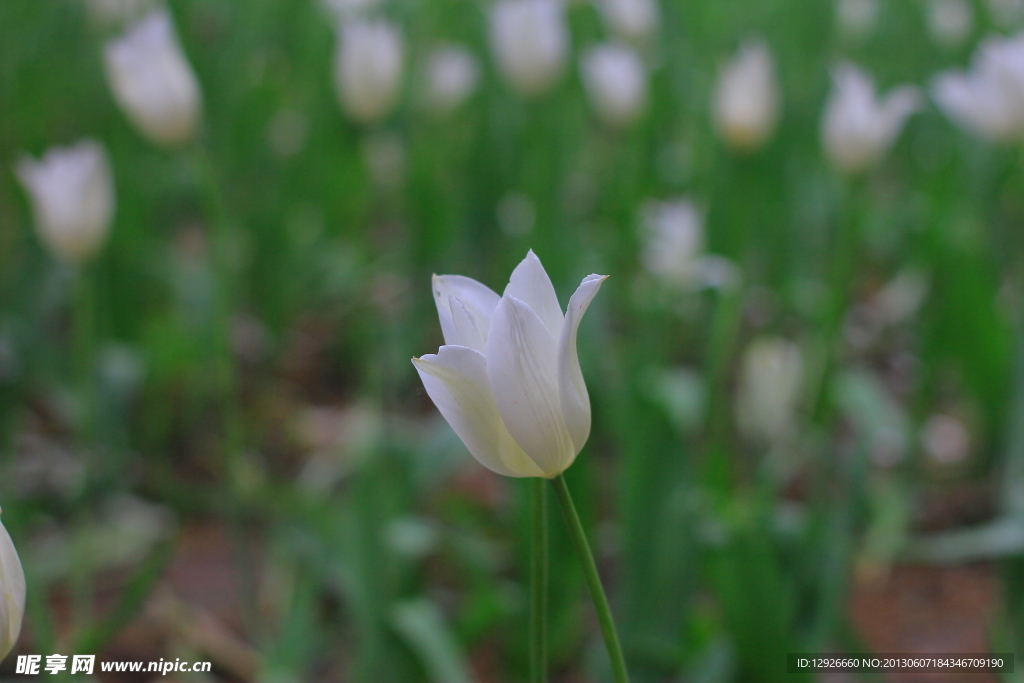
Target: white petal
(456, 381)
(522, 366)
(466, 329)
(530, 284)
(572, 390)
(479, 301)
(12, 583)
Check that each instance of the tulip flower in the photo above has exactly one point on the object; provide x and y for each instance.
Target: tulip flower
(770, 387)
(857, 128)
(452, 76)
(673, 240)
(746, 102)
(857, 19)
(530, 42)
(72, 194)
(632, 20)
(12, 582)
(368, 68)
(949, 22)
(615, 79)
(508, 379)
(152, 81)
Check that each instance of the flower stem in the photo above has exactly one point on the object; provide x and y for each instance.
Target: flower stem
(538, 582)
(604, 613)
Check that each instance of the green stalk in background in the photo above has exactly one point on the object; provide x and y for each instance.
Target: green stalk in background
(604, 612)
(538, 581)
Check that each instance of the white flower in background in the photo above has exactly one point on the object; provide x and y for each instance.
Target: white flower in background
(770, 387)
(746, 104)
(857, 19)
(451, 77)
(368, 68)
(615, 79)
(12, 581)
(530, 42)
(508, 379)
(945, 439)
(72, 193)
(673, 241)
(1006, 14)
(988, 99)
(949, 22)
(153, 82)
(110, 13)
(632, 20)
(343, 10)
(858, 128)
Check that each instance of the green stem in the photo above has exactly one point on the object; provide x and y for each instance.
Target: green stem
(538, 582)
(604, 612)
(84, 352)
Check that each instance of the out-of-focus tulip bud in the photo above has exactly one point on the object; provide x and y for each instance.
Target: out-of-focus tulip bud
(673, 234)
(368, 68)
(508, 379)
(857, 19)
(988, 99)
(857, 128)
(949, 22)
(615, 79)
(72, 193)
(747, 99)
(530, 42)
(770, 387)
(153, 82)
(632, 20)
(945, 439)
(12, 581)
(451, 77)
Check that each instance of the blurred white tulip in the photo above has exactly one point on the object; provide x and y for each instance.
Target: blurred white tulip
(508, 379)
(12, 582)
(858, 128)
(1006, 14)
(632, 20)
(987, 99)
(113, 13)
(72, 193)
(945, 439)
(746, 104)
(673, 233)
(615, 80)
(771, 383)
(343, 10)
(530, 42)
(152, 81)
(368, 68)
(949, 22)
(857, 19)
(451, 77)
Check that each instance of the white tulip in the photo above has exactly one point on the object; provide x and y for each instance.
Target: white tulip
(673, 240)
(153, 82)
(368, 68)
(858, 128)
(615, 79)
(530, 42)
(857, 19)
(988, 99)
(632, 20)
(12, 581)
(949, 22)
(452, 76)
(770, 387)
(746, 104)
(508, 379)
(72, 193)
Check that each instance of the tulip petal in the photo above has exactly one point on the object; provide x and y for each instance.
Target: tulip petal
(12, 604)
(456, 381)
(522, 366)
(531, 285)
(478, 299)
(572, 390)
(465, 327)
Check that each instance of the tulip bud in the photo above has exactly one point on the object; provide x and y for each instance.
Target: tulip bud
(747, 99)
(452, 76)
(770, 387)
(674, 240)
(72, 193)
(530, 42)
(949, 22)
(857, 129)
(508, 379)
(616, 81)
(12, 581)
(857, 19)
(153, 82)
(368, 68)
(632, 20)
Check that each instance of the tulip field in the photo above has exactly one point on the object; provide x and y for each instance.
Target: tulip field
(568, 341)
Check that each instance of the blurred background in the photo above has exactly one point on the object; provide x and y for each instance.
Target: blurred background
(218, 223)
